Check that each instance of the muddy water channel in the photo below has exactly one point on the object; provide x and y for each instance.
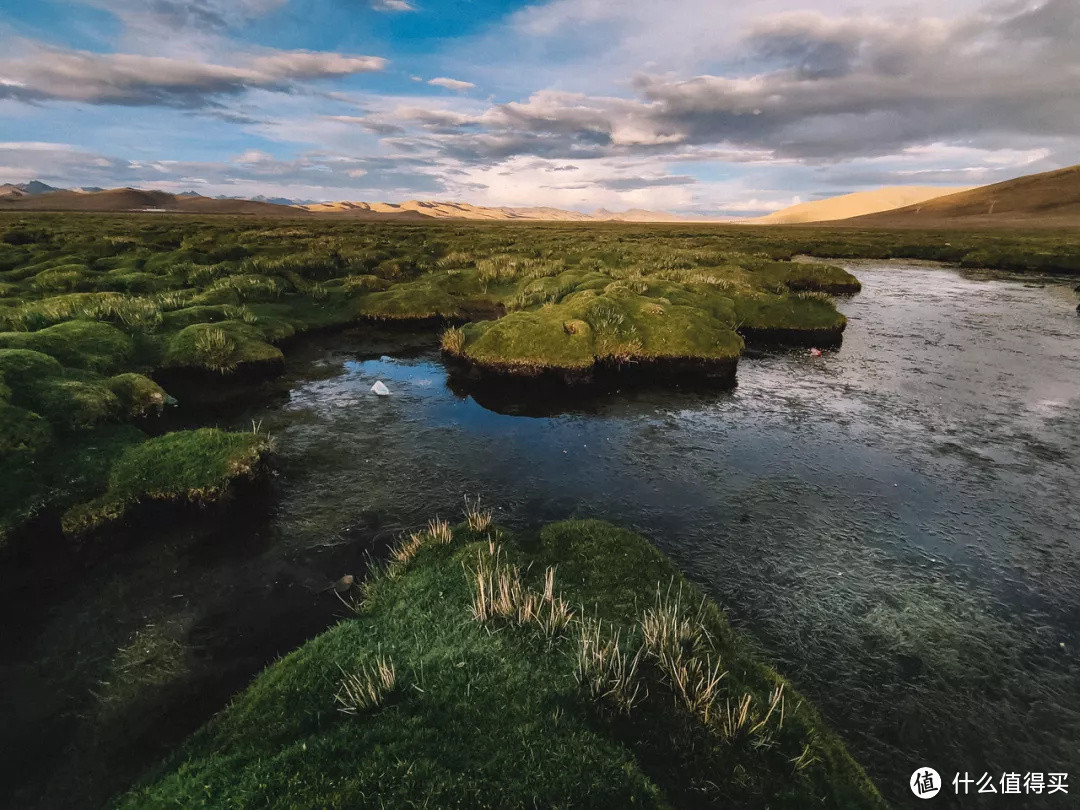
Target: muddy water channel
(894, 524)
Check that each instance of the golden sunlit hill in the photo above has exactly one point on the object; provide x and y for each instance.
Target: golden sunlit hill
(853, 205)
(460, 210)
(1049, 199)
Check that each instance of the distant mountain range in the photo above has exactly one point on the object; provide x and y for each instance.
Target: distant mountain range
(14, 197)
(33, 188)
(37, 196)
(1047, 199)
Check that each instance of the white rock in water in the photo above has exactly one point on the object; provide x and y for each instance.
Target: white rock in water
(380, 389)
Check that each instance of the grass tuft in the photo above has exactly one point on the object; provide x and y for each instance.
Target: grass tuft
(453, 341)
(439, 531)
(215, 349)
(406, 548)
(739, 722)
(479, 519)
(605, 672)
(670, 631)
(366, 688)
(499, 593)
(694, 681)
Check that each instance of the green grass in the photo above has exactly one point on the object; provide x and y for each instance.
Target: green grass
(54, 475)
(191, 465)
(220, 346)
(494, 714)
(89, 345)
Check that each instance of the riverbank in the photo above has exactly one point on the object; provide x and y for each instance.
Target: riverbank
(576, 668)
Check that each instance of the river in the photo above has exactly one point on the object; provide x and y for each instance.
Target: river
(894, 524)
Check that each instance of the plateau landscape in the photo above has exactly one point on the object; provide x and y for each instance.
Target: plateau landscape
(548, 404)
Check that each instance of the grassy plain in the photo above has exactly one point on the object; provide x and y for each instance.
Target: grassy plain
(573, 669)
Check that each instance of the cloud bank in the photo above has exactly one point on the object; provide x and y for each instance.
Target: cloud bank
(44, 73)
(697, 105)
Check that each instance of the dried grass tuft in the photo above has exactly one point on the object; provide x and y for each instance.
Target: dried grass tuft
(366, 688)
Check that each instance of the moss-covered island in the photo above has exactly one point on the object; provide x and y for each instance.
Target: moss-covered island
(573, 669)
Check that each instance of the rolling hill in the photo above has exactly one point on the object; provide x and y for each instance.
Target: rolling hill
(1049, 199)
(853, 205)
(458, 210)
(9, 191)
(132, 199)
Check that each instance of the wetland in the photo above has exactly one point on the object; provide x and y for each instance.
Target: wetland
(891, 524)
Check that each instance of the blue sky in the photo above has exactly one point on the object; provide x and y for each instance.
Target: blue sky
(695, 106)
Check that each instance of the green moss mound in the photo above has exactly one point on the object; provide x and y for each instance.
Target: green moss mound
(434, 296)
(493, 714)
(22, 431)
(90, 345)
(223, 347)
(189, 465)
(68, 277)
(52, 474)
(73, 401)
(68, 398)
(20, 368)
(619, 326)
(137, 395)
(805, 277)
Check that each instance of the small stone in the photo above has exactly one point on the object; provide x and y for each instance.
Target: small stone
(345, 583)
(380, 389)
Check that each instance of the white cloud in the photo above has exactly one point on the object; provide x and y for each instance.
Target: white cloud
(802, 85)
(253, 156)
(41, 73)
(392, 5)
(451, 84)
(198, 14)
(184, 29)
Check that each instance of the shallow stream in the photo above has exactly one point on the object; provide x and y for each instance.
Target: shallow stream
(894, 524)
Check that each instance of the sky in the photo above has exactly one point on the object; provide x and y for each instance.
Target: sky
(711, 107)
